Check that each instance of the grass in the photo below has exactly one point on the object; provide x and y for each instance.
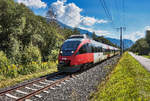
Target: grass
(146, 56)
(129, 81)
(4, 82)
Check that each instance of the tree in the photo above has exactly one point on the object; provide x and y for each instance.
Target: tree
(105, 41)
(148, 37)
(31, 54)
(50, 14)
(94, 36)
(141, 46)
(67, 33)
(76, 31)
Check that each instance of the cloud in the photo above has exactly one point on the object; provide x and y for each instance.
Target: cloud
(134, 36)
(70, 14)
(97, 32)
(33, 3)
(147, 28)
(89, 21)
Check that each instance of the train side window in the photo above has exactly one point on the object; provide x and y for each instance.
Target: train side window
(92, 49)
(100, 49)
(95, 49)
(83, 49)
(89, 48)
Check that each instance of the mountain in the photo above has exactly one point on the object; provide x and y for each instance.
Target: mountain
(127, 43)
(81, 30)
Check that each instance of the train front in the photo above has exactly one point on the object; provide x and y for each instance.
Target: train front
(66, 56)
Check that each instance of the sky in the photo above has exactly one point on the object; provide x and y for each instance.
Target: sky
(90, 15)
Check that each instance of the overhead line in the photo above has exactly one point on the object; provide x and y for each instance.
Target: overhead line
(107, 11)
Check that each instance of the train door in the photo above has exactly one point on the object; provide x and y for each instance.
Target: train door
(100, 53)
(96, 54)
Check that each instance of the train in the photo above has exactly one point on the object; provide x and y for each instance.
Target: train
(79, 51)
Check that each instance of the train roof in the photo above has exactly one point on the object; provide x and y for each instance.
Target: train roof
(75, 39)
(105, 46)
(84, 36)
(95, 43)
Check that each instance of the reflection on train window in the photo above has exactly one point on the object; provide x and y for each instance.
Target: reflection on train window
(83, 49)
(70, 45)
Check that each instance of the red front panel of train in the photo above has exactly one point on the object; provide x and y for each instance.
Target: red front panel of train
(82, 59)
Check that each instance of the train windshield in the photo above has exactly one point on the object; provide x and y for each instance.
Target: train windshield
(69, 47)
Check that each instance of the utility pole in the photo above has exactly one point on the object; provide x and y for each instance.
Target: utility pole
(121, 29)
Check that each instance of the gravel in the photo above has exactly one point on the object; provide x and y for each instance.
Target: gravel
(80, 88)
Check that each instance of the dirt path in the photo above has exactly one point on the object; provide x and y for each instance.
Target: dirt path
(142, 60)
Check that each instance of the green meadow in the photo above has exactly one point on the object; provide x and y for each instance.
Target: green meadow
(129, 81)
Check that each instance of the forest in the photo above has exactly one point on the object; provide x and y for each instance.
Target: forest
(28, 43)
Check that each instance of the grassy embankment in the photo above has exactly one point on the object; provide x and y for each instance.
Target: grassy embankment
(129, 81)
(8, 81)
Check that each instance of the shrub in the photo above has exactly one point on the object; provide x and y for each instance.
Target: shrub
(149, 53)
(31, 54)
(12, 71)
(52, 64)
(4, 63)
(29, 68)
(54, 55)
(44, 65)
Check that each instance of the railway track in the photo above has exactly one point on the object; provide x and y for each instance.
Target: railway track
(33, 88)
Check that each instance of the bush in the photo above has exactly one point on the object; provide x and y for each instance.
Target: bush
(29, 68)
(31, 54)
(44, 65)
(54, 55)
(149, 53)
(4, 63)
(12, 71)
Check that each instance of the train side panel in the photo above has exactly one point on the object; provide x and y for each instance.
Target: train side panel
(98, 57)
(82, 59)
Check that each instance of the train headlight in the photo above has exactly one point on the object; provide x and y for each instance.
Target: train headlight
(61, 52)
(72, 51)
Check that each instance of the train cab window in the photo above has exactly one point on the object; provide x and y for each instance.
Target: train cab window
(69, 47)
(83, 49)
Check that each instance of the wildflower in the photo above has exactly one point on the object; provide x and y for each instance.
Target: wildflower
(34, 62)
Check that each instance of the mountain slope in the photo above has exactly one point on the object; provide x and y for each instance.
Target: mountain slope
(127, 43)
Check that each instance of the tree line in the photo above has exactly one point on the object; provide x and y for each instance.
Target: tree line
(142, 46)
(103, 40)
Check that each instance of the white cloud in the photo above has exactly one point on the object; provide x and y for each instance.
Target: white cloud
(33, 3)
(147, 28)
(97, 32)
(89, 21)
(69, 14)
(134, 36)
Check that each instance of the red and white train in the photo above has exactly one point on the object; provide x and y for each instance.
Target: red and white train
(78, 51)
